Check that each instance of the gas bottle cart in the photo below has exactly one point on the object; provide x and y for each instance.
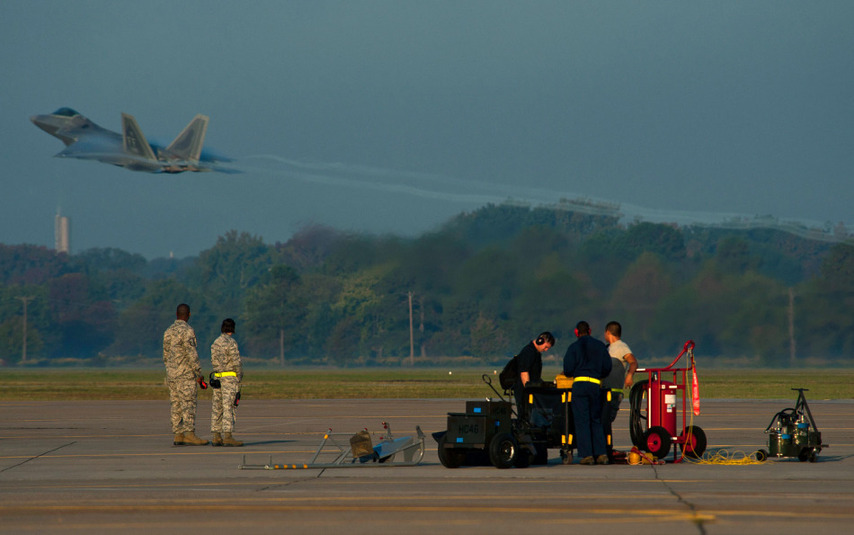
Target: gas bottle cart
(655, 403)
(793, 433)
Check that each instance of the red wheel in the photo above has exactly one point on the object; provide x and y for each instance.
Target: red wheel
(657, 441)
(694, 445)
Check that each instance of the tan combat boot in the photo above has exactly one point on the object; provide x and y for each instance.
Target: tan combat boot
(179, 439)
(228, 440)
(190, 439)
(216, 439)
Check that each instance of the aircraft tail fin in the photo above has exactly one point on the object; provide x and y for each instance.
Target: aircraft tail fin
(133, 140)
(188, 144)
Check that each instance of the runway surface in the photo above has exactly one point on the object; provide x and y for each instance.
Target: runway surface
(104, 467)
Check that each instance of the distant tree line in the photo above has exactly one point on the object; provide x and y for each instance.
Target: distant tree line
(480, 286)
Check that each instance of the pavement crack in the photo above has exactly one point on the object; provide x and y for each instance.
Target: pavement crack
(287, 483)
(37, 456)
(698, 519)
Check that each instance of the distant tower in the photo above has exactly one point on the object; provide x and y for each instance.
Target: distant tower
(62, 234)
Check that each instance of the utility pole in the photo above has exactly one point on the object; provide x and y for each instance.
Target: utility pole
(25, 300)
(411, 335)
(792, 358)
(421, 329)
(282, 347)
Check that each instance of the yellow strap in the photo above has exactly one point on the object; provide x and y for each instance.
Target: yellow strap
(589, 380)
(225, 374)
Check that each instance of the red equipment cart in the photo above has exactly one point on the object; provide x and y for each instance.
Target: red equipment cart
(655, 402)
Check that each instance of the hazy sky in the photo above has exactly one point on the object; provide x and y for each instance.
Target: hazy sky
(392, 116)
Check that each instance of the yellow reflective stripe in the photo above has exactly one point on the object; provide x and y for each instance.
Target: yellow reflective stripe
(225, 374)
(589, 379)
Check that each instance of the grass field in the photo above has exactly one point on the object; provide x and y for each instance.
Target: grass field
(106, 384)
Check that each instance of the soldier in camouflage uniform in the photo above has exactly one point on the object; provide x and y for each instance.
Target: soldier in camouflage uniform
(183, 374)
(225, 359)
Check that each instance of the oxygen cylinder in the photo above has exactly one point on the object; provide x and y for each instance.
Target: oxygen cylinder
(803, 429)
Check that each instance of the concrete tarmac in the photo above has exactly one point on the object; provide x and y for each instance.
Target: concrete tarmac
(94, 467)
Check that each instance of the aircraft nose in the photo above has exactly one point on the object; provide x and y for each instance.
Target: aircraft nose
(45, 123)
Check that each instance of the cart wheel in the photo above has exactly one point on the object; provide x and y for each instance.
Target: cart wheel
(450, 457)
(503, 450)
(813, 456)
(657, 441)
(805, 454)
(696, 445)
(761, 455)
(566, 456)
(637, 412)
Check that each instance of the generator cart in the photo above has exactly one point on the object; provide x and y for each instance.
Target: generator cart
(793, 433)
(654, 406)
(491, 432)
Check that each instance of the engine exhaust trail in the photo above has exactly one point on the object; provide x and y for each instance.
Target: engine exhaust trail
(477, 193)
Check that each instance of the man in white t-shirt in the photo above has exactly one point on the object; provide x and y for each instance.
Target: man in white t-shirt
(620, 381)
(620, 350)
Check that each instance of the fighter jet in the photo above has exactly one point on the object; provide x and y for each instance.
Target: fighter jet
(86, 140)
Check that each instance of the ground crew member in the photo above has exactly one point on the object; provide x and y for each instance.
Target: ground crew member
(621, 378)
(225, 358)
(529, 364)
(620, 350)
(183, 376)
(587, 362)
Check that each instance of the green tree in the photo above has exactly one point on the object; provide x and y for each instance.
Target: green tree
(274, 314)
(733, 255)
(551, 298)
(85, 320)
(12, 341)
(824, 323)
(225, 272)
(30, 265)
(664, 240)
(635, 298)
(141, 326)
(487, 338)
(732, 315)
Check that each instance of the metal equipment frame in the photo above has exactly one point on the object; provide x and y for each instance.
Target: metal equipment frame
(657, 439)
(339, 447)
(793, 433)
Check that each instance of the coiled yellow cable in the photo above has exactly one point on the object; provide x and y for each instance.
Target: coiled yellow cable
(721, 456)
